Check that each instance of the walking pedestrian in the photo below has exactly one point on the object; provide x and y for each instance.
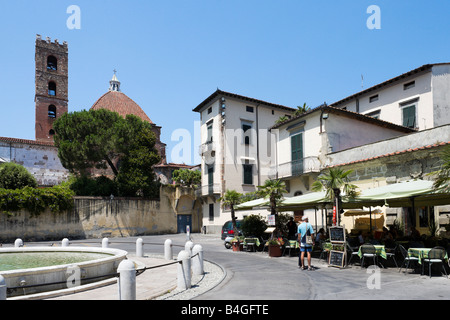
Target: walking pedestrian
(306, 239)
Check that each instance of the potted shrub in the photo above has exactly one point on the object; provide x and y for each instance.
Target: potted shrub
(275, 247)
(236, 244)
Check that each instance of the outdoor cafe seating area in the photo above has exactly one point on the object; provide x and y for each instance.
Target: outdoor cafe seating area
(405, 255)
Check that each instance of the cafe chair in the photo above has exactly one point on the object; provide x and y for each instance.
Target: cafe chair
(323, 251)
(435, 255)
(390, 254)
(288, 246)
(351, 252)
(406, 260)
(368, 251)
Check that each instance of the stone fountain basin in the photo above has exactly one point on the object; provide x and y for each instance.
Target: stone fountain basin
(57, 276)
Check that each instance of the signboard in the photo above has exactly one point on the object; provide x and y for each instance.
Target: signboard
(336, 258)
(337, 239)
(337, 234)
(271, 219)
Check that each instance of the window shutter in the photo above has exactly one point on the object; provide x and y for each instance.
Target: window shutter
(409, 116)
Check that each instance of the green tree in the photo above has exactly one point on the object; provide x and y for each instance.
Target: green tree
(232, 198)
(187, 177)
(281, 119)
(442, 179)
(335, 181)
(301, 110)
(102, 139)
(254, 226)
(272, 190)
(15, 176)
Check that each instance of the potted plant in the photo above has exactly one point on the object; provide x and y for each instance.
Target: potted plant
(236, 244)
(275, 247)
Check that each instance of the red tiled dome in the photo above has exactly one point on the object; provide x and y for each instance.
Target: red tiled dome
(119, 102)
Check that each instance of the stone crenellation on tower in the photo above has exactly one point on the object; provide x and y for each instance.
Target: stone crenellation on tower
(51, 93)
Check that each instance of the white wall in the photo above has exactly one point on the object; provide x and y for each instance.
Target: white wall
(440, 82)
(391, 97)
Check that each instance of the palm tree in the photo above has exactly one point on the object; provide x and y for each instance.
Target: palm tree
(273, 190)
(334, 181)
(281, 119)
(301, 109)
(232, 198)
(442, 180)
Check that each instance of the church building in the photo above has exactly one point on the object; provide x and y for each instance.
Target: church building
(40, 156)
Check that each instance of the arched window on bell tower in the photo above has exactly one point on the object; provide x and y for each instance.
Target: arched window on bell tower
(52, 63)
(51, 88)
(52, 111)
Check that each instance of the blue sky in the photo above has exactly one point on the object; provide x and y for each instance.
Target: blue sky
(171, 55)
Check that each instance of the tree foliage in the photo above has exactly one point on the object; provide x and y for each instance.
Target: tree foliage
(15, 176)
(272, 190)
(254, 226)
(333, 179)
(102, 139)
(442, 176)
(230, 199)
(186, 177)
(57, 198)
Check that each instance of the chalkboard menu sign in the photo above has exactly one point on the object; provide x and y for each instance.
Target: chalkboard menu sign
(336, 258)
(337, 234)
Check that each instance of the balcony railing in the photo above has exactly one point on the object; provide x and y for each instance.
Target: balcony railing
(208, 189)
(206, 147)
(295, 168)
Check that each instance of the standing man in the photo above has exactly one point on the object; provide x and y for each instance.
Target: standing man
(305, 229)
(292, 228)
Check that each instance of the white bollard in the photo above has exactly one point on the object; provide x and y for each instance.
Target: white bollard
(105, 243)
(65, 242)
(18, 243)
(127, 280)
(188, 247)
(168, 251)
(184, 271)
(2, 288)
(197, 260)
(139, 247)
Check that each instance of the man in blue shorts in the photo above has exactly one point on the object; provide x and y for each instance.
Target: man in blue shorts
(304, 247)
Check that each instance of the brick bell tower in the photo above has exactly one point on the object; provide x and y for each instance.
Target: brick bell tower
(51, 94)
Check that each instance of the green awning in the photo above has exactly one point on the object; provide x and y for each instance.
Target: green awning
(252, 204)
(394, 195)
(304, 201)
(400, 195)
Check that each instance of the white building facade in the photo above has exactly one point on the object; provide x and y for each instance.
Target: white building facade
(237, 150)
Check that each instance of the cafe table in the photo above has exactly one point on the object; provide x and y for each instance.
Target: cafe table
(380, 250)
(421, 253)
(251, 242)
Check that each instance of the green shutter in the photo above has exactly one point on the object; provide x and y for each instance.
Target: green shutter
(409, 117)
(296, 147)
(297, 154)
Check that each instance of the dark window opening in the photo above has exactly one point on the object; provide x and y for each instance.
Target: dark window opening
(409, 85)
(211, 212)
(52, 63)
(248, 173)
(51, 88)
(249, 109)
(374, 114)
(51, 132)
(373, 98)
(52, 111)
(209, 110)
(245, 128)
